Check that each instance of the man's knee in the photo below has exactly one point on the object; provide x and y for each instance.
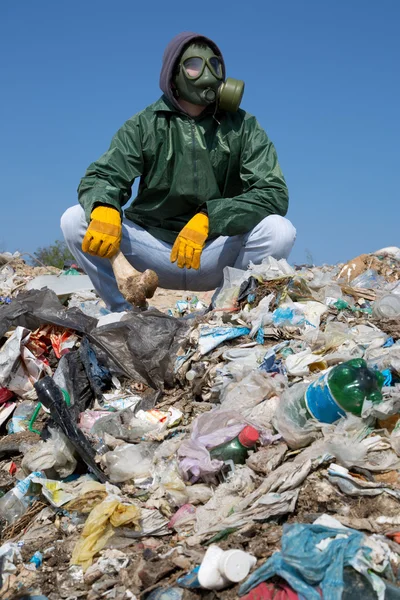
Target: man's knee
(71, 224)
(277, 233)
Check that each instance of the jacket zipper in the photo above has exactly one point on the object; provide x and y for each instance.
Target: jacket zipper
(195, 180)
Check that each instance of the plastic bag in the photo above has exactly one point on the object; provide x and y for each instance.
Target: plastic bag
(169, 482)
(123, 425)
(129, 461)
(270, 269)
(55, 456)
(99, 527)
(239, 363)
(225, 297)
(248, 392)
(33, 308)
(142, 346)
(260, 315)
(291, 419)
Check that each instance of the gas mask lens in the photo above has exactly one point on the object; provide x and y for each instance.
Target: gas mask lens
(194, 66)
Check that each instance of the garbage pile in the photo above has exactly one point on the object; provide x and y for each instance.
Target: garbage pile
(250, 448)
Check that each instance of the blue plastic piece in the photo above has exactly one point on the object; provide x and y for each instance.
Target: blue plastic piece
(388, 377)
(190, 581)
(389, 342)
(304, 566)
(260, 336)
(173, 593)
(37, 559)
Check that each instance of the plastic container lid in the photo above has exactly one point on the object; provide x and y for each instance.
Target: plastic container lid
(248, 436)
(235, 565)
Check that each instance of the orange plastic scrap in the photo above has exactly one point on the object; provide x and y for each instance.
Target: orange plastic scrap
(61, 340)
(394, 535)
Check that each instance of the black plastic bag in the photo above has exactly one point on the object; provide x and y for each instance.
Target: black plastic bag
(142, 346)
(98, 375)
(37, 307)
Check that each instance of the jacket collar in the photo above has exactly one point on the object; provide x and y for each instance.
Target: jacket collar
(163, 105)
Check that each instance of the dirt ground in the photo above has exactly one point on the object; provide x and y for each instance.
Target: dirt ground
(166, 299)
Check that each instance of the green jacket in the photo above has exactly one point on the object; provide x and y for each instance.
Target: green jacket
(185, 163)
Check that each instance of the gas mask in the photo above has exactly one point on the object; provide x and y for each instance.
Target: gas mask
(200, 80)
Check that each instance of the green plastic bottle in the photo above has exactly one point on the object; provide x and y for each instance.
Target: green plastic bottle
(237, 449)
(343, 390)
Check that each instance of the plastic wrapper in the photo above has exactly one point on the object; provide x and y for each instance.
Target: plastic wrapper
(5, 395)
(370, 279)
(353, 486)
(81, 494)
(19, 368)
(267, 460)
(395, 438)
(212, 337)
(71, 376)
(98, 374)
(88, 418)
(54, 457)
(129, 461)
(199, 493)
(239, 362)
(184, 516)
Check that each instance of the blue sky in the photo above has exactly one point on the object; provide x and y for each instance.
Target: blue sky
(321, 76)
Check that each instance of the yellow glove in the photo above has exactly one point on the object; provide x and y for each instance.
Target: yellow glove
(190, 242)
(103, 236)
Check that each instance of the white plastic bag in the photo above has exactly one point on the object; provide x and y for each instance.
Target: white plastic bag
(55, 456)
(129, 461)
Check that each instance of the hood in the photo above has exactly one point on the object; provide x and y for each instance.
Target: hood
(171, 55)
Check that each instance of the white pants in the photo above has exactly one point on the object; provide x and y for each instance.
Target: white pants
(273, 236)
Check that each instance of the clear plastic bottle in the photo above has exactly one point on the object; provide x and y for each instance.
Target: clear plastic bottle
(21, 417)
(237, 450)
(13, 504)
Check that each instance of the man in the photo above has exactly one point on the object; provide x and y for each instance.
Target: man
(211, 191)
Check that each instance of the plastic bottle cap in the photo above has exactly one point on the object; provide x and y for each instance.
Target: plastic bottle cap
(248, 436)
(235, 565)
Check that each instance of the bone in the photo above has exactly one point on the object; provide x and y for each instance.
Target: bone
(134, 286)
